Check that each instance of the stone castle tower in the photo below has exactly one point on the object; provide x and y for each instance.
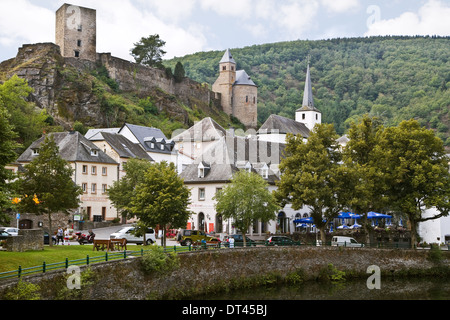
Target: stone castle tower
(76, 32)
(239, 93)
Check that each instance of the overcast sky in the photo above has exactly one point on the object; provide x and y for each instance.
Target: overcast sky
(190, 26)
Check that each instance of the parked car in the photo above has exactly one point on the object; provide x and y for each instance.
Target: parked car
(12, 231)
(127, 233)
(4, 235)
(345, 242)
(280, 241)
(239, 240)
(187, 237)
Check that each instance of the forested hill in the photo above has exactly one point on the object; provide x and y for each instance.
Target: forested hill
(395, 78)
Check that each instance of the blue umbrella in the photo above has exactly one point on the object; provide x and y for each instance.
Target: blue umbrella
(376, 215)
(345, 215)
(304, 220)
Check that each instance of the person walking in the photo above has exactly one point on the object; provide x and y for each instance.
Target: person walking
(60, 235)
(66, 236)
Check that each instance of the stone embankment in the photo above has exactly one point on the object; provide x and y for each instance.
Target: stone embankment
(200, 272)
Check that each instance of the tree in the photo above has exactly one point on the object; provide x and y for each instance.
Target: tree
(27, 122)
(161, 198)
(312, 175)
(367, 183)
(46, 186)
(416, 171)
(246, 199)
(179, 73)
(148, 51)
(7, 155)
(122, 191)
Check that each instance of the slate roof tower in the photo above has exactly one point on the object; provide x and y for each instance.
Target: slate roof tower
(308, 114)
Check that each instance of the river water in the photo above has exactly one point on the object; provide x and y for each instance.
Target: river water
(390, 289)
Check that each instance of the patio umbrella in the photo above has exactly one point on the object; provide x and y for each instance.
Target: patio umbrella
(376, 215)
(344, 226)
(355, 226)
(304, 220)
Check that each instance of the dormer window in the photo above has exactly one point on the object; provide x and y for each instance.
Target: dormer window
(94, 152)
(34, 152)
(162, 146)
(203, 169)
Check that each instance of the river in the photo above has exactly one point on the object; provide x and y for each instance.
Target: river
(390, 289)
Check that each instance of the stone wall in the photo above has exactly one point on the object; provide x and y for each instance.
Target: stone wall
(124, 280)
(32, 239)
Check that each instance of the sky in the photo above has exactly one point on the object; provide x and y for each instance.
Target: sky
(190, 26)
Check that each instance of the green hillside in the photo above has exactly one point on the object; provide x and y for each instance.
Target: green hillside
(396, 78)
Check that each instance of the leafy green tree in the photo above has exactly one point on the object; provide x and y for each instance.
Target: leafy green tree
(7, 155)
(161, 198)
(246, 199)
(312, 175)
(122, 190)
(148, 51)
(416, 171)
(179, 73)
(366, 184)
(46, 186)
(27, 121)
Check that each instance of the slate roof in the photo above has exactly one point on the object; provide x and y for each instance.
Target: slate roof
(308, 100)
(124, 147)
(282, 125)
(205, 130)
(73, 146)
(227, 57)
(242, 78)
(216, 173)
(93, 132)
(147, 135)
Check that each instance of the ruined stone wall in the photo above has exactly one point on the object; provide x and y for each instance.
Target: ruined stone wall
(32, 239)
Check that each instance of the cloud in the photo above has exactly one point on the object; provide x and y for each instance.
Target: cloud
(340, 6)
(431, 19)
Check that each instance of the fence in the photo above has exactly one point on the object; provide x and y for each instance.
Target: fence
(109, 256)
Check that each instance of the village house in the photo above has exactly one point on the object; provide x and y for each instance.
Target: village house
(94, 172)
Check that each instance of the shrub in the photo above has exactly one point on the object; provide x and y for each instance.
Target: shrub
(435, 254)
(156, 260)
(23, 291)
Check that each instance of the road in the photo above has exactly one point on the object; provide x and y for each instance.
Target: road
(103, 233)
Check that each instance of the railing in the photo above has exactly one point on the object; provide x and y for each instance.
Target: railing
(108, 256)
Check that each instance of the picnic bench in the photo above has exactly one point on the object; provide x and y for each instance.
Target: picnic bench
(101, 244)
(110, 244)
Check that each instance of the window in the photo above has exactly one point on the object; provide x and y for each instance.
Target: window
(162, 146)
(35, 152)
(94, 188)
(303, 116)
(94, 152)
(104, 171)
(246, 99)
(254, 99)
(85, 169)
(79, 43)
(84, 187)
(224, 68)
(77, 54)
(80, 28)
(232, 68)
(104, 188)
(94, 170)
(317, 116)
(201, 172)
(201, 193)
(152, 145)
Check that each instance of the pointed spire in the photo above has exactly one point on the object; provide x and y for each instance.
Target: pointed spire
(308, 100)
(227, 57)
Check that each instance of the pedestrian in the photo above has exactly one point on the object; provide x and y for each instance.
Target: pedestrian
(231, 241)
(60, 235)
(66, 236)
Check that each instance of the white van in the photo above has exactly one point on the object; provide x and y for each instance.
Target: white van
(127, 233)
(345, 242)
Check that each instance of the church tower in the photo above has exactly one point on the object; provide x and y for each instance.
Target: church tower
(308, 114)
(239, 94)
(76, 32)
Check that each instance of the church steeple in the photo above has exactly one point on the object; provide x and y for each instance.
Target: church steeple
(308, 100)
(308, 114)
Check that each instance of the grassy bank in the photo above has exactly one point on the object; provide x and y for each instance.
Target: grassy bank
(12, 260)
